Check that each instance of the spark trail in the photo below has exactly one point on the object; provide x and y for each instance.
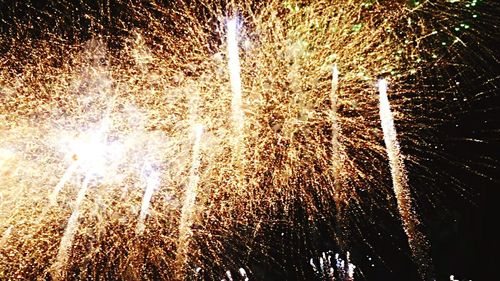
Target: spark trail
(337, 157)
(69, 234)
(338, 154)
(235, 80)
(5, 157)
(416, 239)
(187, 212)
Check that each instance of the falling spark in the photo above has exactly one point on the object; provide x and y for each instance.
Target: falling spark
(338, 154)
(152, 182)
(350, 268)
(335, 85)
(187, 212)
(6, 157)
(416, 238)
(92, 158)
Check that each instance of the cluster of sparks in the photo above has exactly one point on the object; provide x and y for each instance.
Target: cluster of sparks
(139, 162)
(328, 266)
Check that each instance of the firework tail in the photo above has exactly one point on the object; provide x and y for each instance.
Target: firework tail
(188, 212)
(336, 149)
(69, 233)
(338, 155)
(235, 80)
(416, 239)
(72, 225)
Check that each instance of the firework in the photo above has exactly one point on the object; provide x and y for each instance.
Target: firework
(222, 123)
(416, 239)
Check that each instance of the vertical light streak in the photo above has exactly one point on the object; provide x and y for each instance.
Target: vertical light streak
(416, 239)
(350, 268)
(187, 212)
(235, 79)
(3, 158)
(70, 231)
(338, 154)
(337, 158)
(152, 182)
(335, 82)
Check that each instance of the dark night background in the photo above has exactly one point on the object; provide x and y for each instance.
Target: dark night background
(461, 224)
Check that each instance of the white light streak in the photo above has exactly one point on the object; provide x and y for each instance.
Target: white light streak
(234, 74)
(416, 239)
(5, 155)
(66, 176)
(71, 227)
(337, 153)
(187, 211)
(152, 178)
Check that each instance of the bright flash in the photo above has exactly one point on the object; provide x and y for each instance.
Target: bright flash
(90, 155)
(95, 155)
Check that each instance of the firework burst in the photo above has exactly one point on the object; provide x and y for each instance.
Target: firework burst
(169, 142)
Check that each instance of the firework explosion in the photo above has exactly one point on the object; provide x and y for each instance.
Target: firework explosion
(170, 147)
